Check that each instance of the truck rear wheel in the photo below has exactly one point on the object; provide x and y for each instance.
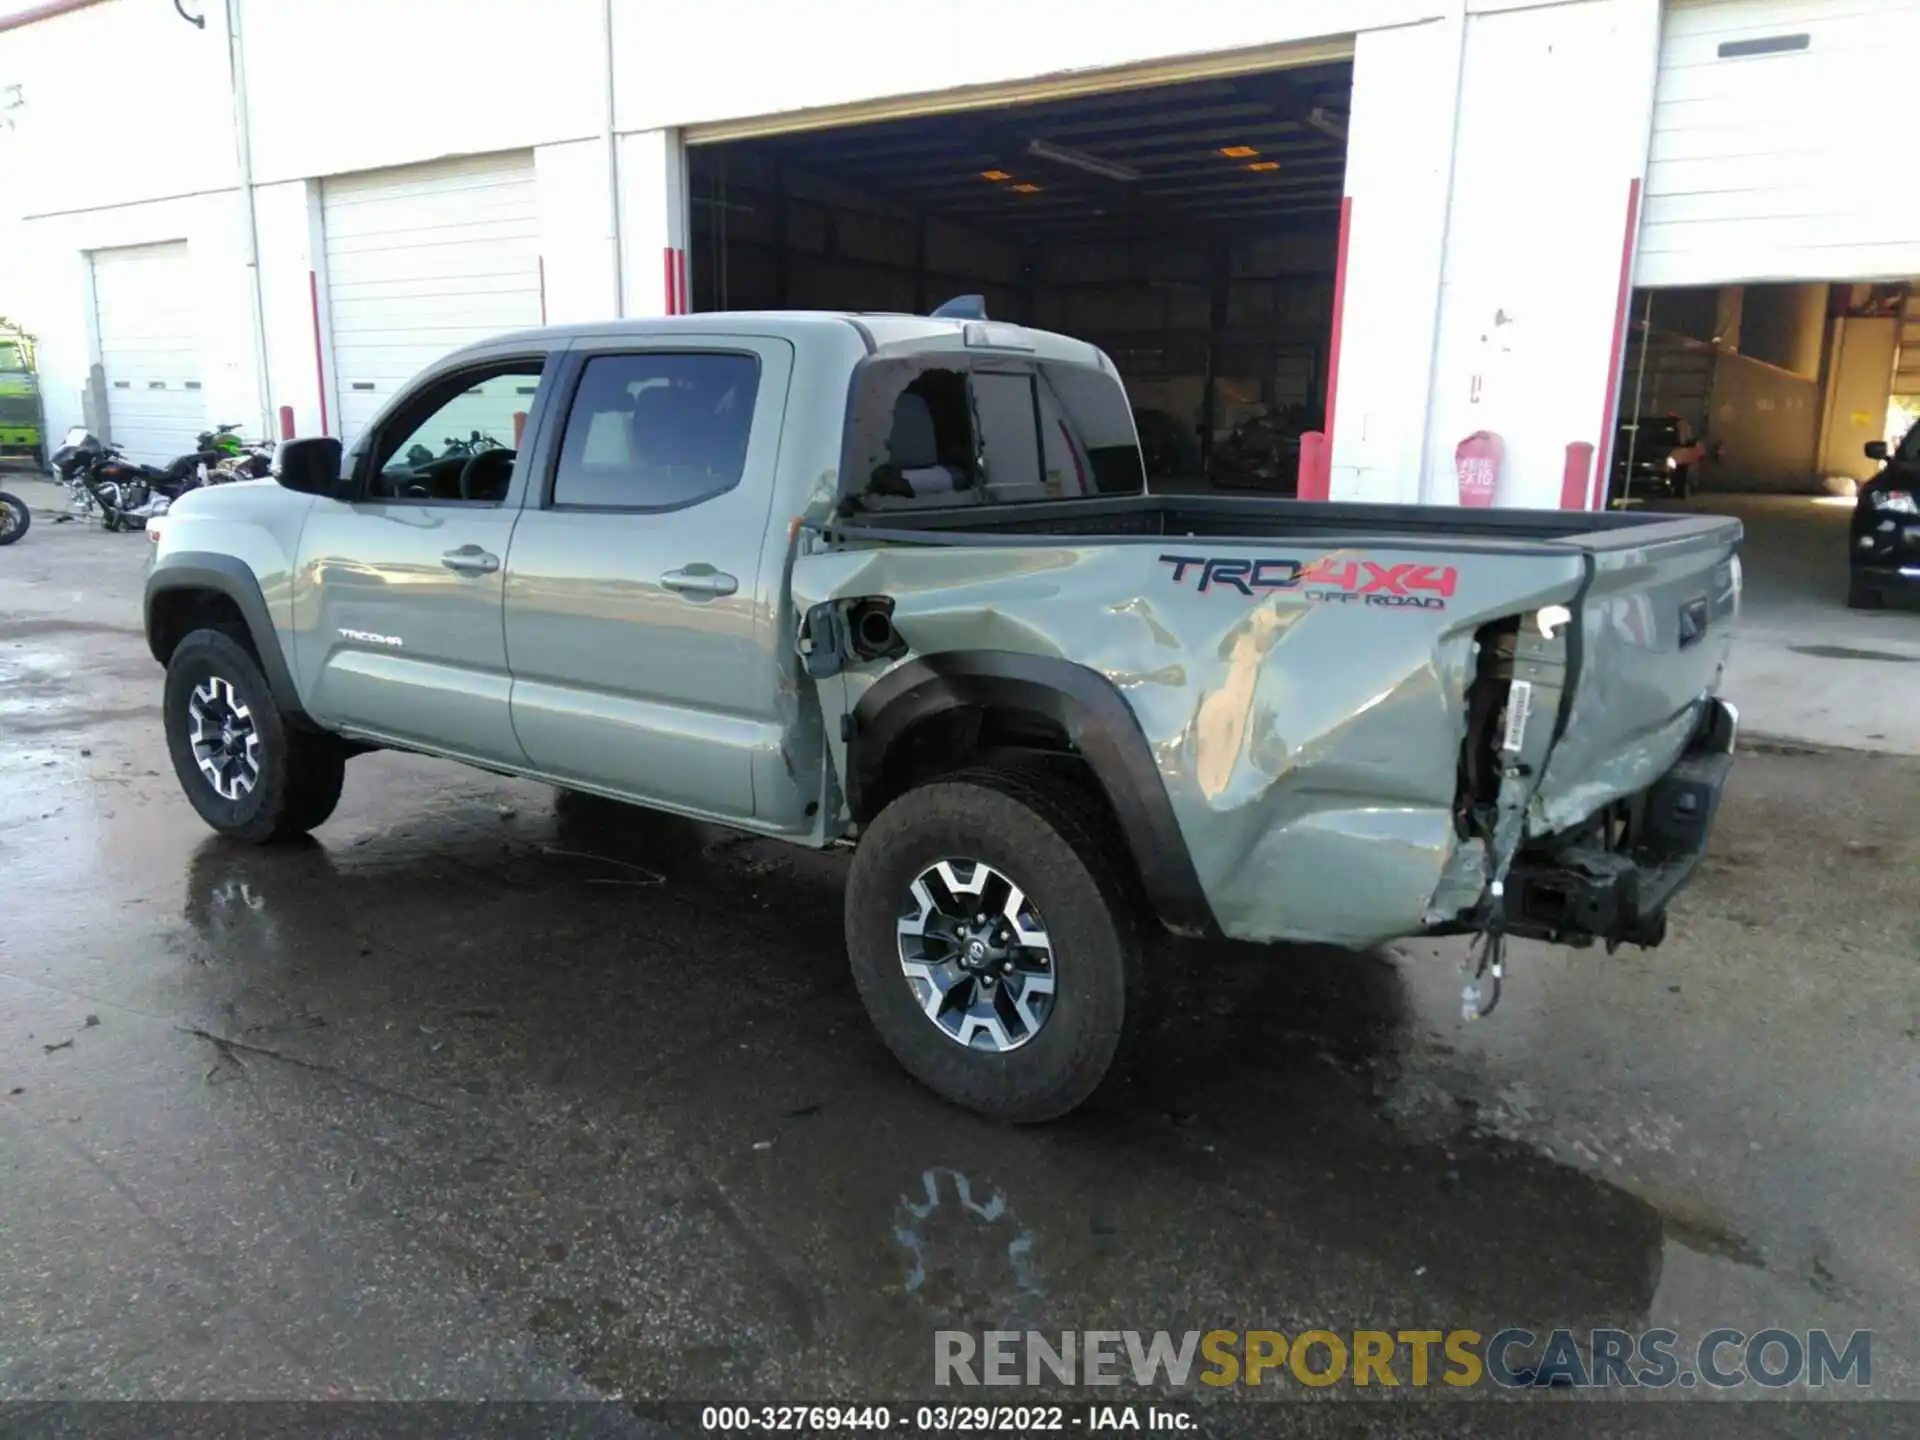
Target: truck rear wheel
(242, 768)
(993, 941)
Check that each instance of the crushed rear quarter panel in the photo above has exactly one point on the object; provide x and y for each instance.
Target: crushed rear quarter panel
(1310, 746)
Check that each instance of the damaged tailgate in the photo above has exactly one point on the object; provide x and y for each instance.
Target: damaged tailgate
(1653, 628)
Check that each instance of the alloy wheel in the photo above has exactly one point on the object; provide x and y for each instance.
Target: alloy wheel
(226, 744)
(977, 956)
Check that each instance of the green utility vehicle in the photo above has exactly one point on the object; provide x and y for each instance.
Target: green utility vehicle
(22, 433)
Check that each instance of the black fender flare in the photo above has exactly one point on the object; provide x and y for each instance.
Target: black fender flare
(1097, 720)
(231, 578)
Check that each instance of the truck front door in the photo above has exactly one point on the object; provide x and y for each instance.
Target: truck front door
(640, 601)
(397, 606)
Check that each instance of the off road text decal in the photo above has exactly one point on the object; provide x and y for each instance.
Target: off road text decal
(1355, 582)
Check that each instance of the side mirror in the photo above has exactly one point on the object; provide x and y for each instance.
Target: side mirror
(1876, 449)
(310, 466)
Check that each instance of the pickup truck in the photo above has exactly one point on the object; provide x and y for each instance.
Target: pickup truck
(898, 582)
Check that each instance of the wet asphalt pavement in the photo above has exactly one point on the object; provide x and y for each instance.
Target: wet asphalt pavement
(486, 1094)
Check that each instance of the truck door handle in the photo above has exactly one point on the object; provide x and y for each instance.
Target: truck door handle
(700, 580)
(1693, 622)
(470, 560)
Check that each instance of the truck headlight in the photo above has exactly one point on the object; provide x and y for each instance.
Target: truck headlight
(1896, 502)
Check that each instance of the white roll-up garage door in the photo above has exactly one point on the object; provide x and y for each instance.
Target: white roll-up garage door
(147, 323)
(422, 260)
(1782, 144)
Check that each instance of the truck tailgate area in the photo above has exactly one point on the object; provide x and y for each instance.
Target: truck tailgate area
(1654, 627)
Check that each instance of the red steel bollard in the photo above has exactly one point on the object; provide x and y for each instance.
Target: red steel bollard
(1316, 475)
(1573, 479)
(286, 422)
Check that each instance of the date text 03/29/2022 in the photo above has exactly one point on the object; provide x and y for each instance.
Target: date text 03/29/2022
(943, 1419)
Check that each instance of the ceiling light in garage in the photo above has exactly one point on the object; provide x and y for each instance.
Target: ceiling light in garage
(1264, 165)
(1025, 188)
(1333, 126)
(995, 175)
(1080, 160)
(1238, 152)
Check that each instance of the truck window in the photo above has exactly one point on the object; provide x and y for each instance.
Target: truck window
(422, 451)
(656, 431)
(1009, 435)
(922, 435)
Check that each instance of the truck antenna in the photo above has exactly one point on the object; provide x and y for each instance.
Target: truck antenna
(963, 307)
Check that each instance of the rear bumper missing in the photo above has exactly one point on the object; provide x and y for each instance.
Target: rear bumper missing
(1613, 881)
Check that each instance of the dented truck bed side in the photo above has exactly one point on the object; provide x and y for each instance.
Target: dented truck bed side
(1304, 699)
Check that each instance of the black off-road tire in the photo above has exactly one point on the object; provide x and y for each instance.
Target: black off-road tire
(1860, 595)
(1057, 843)
(300, 772)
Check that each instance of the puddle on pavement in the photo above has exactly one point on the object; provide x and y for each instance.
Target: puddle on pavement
(1849, 652)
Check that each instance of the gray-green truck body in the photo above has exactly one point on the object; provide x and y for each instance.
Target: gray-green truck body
(918, 543)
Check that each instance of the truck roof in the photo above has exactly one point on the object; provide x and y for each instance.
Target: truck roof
(882, 331)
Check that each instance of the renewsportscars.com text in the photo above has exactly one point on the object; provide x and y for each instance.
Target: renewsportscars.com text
(1512, 1358)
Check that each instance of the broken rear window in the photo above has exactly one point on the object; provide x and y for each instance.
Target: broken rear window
(930, 432)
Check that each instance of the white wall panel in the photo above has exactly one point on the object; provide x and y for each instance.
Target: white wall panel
(1552, 136)
(1396, 187)
(575, 205)
(842, 52)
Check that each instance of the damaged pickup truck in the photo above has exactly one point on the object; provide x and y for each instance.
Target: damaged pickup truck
(898, 581)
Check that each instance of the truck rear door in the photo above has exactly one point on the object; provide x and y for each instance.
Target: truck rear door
(638, 590)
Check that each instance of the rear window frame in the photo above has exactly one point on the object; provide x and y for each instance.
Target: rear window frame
(852, 481)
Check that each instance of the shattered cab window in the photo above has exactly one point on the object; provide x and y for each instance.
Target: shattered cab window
(927, 434)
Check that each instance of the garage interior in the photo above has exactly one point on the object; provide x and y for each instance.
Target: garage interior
(1782, 386)
(1190, 230)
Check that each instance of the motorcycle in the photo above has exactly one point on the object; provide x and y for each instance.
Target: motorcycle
(475, 444)
(237, 459)
(100, 479)
(15, 517)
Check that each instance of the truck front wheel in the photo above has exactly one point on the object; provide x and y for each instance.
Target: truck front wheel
(242, 767)
(993, 941)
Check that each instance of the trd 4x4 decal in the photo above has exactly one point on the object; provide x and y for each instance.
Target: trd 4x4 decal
(1357, 582)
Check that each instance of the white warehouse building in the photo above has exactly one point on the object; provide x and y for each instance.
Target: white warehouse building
(1402, 223)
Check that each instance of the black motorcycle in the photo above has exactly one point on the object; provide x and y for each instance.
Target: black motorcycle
(15, 517)
(100, 479)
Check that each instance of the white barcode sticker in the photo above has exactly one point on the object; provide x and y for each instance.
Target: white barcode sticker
(1519, 706)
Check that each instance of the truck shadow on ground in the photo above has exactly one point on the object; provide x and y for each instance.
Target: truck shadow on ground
(647, 1111)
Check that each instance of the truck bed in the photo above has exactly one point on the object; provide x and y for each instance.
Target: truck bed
(1305, 672)
(1331, 524)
